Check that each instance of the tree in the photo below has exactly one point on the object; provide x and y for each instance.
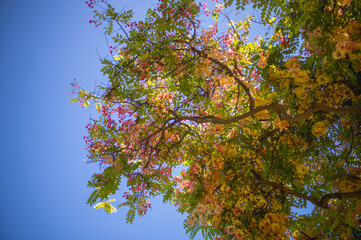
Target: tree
(260, 126)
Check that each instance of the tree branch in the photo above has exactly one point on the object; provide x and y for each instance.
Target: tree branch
(325, 198)
(316, 107)
(323, 203)
(284, 188)
(230, 72)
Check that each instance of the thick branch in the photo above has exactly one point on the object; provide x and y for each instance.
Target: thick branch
(323, 203)
(217, 120)
(316, 107)
(324, 200)
(284, 189)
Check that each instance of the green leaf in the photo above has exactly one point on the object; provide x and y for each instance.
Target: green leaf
(108, 208)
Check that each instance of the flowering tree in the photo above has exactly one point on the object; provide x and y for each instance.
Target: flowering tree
(260, 126)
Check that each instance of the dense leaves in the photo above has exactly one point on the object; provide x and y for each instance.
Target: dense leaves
(260, 126)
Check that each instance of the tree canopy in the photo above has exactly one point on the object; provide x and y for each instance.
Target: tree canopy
(258, 126)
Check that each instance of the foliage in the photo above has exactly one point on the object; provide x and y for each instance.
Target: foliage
(260, 126)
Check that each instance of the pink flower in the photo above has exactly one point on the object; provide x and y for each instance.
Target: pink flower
(177, 178)
(218, 7)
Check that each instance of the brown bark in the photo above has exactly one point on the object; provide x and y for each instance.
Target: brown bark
(316, 107)
(323, 202)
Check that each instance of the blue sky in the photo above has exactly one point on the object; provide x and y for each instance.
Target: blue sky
(45, 44)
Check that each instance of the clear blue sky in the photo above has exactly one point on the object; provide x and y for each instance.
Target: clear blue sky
(44, 45)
